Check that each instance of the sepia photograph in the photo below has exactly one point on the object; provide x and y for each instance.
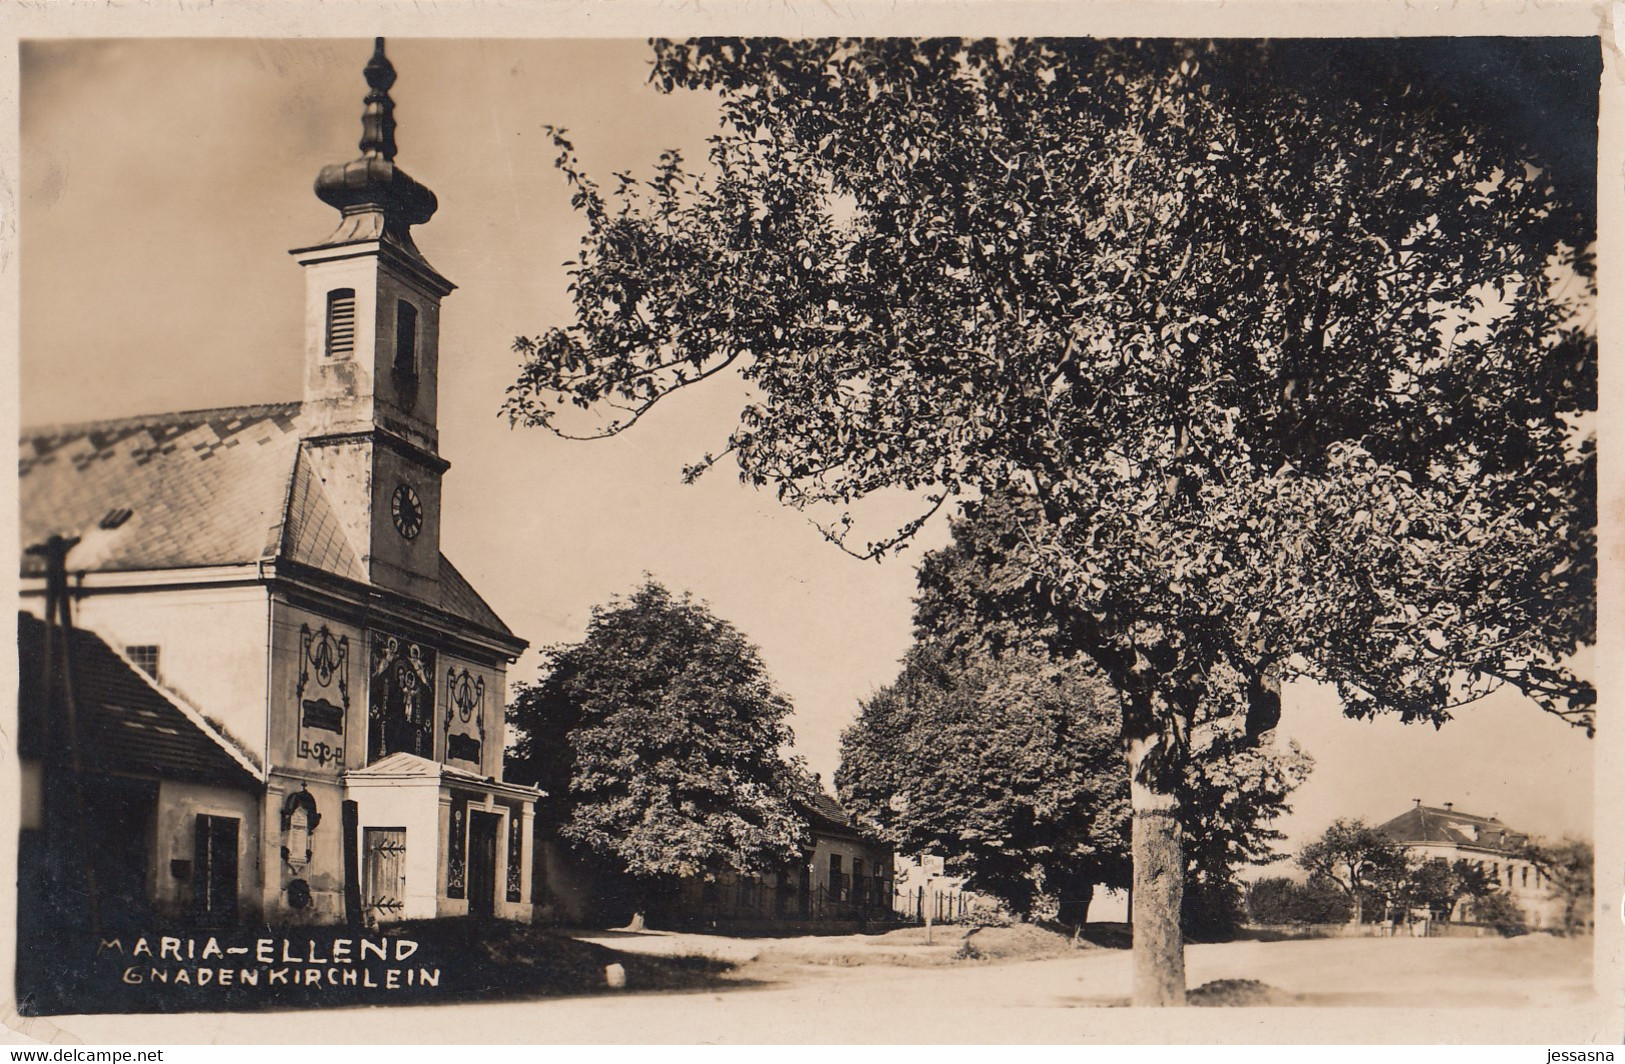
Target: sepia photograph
(811, 538)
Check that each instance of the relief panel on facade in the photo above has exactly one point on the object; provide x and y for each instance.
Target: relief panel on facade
(465, 716)
(457, 848)
(516, 842)
(322, 695)
(400, 704)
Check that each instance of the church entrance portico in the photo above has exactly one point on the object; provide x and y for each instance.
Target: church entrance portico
(437, 840)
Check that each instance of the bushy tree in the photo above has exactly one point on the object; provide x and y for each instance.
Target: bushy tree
(1569, 864)
(1437, 885)
(1285, 341)
(1007, 766)
(1363, 862)
(1279, 900)
(661, 742)
(1499, 911)
(991, 670)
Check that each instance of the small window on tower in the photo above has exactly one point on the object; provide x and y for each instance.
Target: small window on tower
(340, 323)
(406, 339)
(145, 658)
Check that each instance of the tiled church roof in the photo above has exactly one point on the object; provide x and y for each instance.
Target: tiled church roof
(1423, 824)
(202, 487)
(128, 725)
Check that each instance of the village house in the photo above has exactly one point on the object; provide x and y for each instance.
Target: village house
(842, 880)
(1431, 833)
(279, 700)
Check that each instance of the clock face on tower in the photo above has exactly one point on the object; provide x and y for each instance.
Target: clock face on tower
(407, 510)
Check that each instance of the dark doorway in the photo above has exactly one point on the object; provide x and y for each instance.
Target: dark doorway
(214, 886)
(110, 834)
(482, 863)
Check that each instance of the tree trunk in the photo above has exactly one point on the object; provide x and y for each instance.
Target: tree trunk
(1073, 910)
(1159, 881)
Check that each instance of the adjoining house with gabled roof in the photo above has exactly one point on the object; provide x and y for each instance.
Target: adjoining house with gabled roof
(151, 771)
(1445, 834)
(276, 573)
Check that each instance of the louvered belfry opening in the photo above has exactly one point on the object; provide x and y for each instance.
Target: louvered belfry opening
(340, 323)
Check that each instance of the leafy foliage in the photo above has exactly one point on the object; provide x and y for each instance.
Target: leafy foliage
(1501, 912)
(1286, 349)
(1437, 885)
(1569, 864)
(659, 740)
(1279, 900)
(1288, 344)
(1364, 863)
(1008, 767)
(998, 746)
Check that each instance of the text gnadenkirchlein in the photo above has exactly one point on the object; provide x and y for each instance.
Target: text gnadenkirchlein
(162, 960)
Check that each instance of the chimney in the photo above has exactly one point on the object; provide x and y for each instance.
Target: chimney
(1449, 806)
(1418, 802)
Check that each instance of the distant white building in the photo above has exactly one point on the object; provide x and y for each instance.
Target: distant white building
(1448, 835)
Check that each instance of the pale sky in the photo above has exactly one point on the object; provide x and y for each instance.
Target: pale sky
(163, 182)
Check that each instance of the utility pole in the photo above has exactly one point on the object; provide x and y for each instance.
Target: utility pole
(58, 693)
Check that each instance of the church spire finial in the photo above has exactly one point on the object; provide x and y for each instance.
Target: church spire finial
(377, 197)
(378, 114)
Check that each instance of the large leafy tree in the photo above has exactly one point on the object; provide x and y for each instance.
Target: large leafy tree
(998, 746)
(1009, 767)
(1437, 885)
(661, 742)
(1362, 861)
(1286, 341)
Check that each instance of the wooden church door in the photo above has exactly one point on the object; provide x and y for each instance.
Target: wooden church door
(383, 873)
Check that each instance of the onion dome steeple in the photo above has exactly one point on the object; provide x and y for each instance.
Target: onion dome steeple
(378, 199)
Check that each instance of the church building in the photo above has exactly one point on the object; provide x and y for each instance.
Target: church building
(264, 693)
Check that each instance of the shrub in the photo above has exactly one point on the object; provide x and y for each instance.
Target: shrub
(1211, 911)
(987, 912)
(1498, 911)
(1278, 900)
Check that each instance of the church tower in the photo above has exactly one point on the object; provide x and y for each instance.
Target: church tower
(372, 325)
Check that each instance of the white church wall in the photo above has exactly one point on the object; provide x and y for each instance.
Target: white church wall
(211, 648)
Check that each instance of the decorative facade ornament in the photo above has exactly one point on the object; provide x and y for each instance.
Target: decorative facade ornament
(322, 695)
(465, 704)
(299, 820)
(516, 844)
(457, 848)
(400, 708)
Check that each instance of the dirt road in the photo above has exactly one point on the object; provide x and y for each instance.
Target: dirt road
(1485, 988)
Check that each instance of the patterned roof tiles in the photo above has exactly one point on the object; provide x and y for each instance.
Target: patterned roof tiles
(203, 487)
(312, 533)
(229, 486)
